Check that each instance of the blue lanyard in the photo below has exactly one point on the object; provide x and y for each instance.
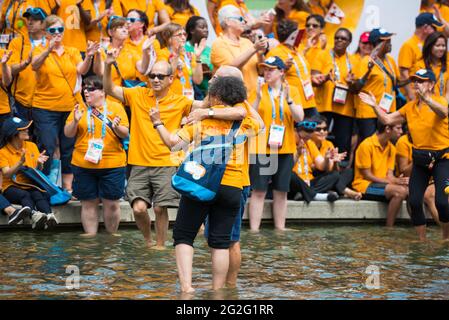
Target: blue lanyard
(91, 122)
(337, 69)
(384, 71)
(189, 67)
(97, 12)
(273, 104)
(301, 59)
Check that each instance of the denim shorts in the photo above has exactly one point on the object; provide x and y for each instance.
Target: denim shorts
(237, 227)
(91, 184)
(376, 192)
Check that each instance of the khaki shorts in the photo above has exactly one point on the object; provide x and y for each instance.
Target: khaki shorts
(152, 185)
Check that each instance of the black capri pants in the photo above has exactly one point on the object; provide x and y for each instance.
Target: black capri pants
(34, 199)
(419, 181)
(222, 212)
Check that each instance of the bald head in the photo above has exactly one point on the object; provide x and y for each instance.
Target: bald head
(228, 71)
(162, 67)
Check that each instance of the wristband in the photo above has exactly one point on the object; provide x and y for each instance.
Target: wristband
(157, 125)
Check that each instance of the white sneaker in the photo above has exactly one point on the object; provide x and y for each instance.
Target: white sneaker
(51, 221)
(38, 220)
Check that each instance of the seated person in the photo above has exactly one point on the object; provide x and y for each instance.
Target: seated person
(303, 183)
(404, 165)
(374, 170)
(14, 215)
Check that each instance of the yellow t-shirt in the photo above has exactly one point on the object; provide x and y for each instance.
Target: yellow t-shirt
(234, 173)
(378, 83)
(12, 12)
(4, 100)
(298, 72)
(146, 147)
(341, 67)
(24, 84)
(370, 155)
(10, 156)
(260, 144)
(150, 7)
(126, 62)
(181, 18)
(183, 78)
(404, 147)
(224, 52)
(52, 90)
(113, 155)
(427, 129)
(75, 32)
(99, 30)
(303, 168)
(410, 53)
(325, 145)
(442, 79)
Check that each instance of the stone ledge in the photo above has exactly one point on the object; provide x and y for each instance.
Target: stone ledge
(342, 210)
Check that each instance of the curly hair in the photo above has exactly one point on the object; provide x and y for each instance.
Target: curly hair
(229, 90)
(285, 28)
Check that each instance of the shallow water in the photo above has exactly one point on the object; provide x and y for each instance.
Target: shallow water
(310, 262)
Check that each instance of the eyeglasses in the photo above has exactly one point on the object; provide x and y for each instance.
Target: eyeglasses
(181, 34)
(313, 26)
(54, 30)
(341, 39)
(241, 19)
(132, 20)
(37, 11)
(90, 88)
(153, 76)
(321, 129)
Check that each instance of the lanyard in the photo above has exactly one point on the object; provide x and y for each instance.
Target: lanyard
(301, 59)
(306, 164)
(441, 82)
(385, 72)
(337, 69)
(91, 122)
(189, 68)
(35, 43)
(273, 104)
(97, 12)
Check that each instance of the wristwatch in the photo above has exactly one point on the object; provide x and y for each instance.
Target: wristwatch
(211, 113)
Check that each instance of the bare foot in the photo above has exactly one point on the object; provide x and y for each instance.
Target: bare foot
(354, 195)
(118, 235)
(188, 291)
(88, 235)
(159, 248)
(254, 231)
(283, 230)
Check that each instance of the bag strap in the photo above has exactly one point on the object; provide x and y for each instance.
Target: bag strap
(233, 132)
(384, 69)
(65, 78)
(118, 70)
(100, 116)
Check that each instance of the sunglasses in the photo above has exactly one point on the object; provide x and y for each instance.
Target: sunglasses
(55, 30)
(90, 89)
(321, 129)
(309, 126)
(132, 20)
(241, 19)
(37, 11)
(153, 76)
(313, 26)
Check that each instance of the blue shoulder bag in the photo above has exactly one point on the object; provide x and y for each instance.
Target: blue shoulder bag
(129, 83)
(199, 176)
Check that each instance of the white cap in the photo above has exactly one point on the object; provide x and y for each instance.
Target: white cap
(228, 11)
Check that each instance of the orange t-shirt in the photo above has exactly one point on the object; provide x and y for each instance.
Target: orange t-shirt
(303, 168)
(4, 100)
(98, 31)
(181, 18)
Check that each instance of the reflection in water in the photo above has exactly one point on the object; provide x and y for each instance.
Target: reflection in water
(312, 262)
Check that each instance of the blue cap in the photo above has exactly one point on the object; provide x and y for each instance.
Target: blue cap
(427, 18)
(35, 13)
(273, 62)
(13, 125)
(379, 34)
(425, 75)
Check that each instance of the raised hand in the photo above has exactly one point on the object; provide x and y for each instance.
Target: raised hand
(199, 48)
(6, 56)
(289, 62)
(111, 55)
(148, 43)
(116, 122)
(368, 99)
(261, 44)
(42, 157)
(155, 115)
(92, 48)
(287, 91)
(323, 40)
(78, 113)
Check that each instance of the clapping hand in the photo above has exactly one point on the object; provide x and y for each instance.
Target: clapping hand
(78, 113)
(111, 55)
(6, 56)
(148, 44)
(42, 157)
(199, 48)
(92, 48)
(116, 122)
(155, 115)
(368, 99)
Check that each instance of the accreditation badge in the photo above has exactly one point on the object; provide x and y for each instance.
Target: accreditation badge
(340, 93)
(5, 38)
(188, 93)
(386, 102)
(94, 151)
(308, 89)
(276, 137)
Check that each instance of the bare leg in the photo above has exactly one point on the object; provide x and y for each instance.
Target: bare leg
(256, 205)
(143, 221)
(396, 195)
(445, 227)
(67, 181)
(220, 267)
(161, 225)
(421, 231)
(351, 194)
(235, 260)
(429, 200)
(9, 210)
(279, 209)
(89, 216)
(111, 215)
(184, 261)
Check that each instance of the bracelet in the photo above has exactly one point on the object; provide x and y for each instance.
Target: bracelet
(157, 125)
(290, 103)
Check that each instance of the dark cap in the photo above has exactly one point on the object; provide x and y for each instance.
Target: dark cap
(425, 75)
(427, 18)
(379, 34)
(35, 13)
(13, 125)
(273, 62)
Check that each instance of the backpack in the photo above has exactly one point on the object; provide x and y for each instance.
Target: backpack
(200, 174)
(58, 196)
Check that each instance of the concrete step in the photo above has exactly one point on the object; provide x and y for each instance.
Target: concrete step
(317, 211)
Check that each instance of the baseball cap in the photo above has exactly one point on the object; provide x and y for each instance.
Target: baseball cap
(273, 62)
(13, 125)
(427, 18)
(379, 34)
(364, 38)
(35, 13)
(424, 74)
